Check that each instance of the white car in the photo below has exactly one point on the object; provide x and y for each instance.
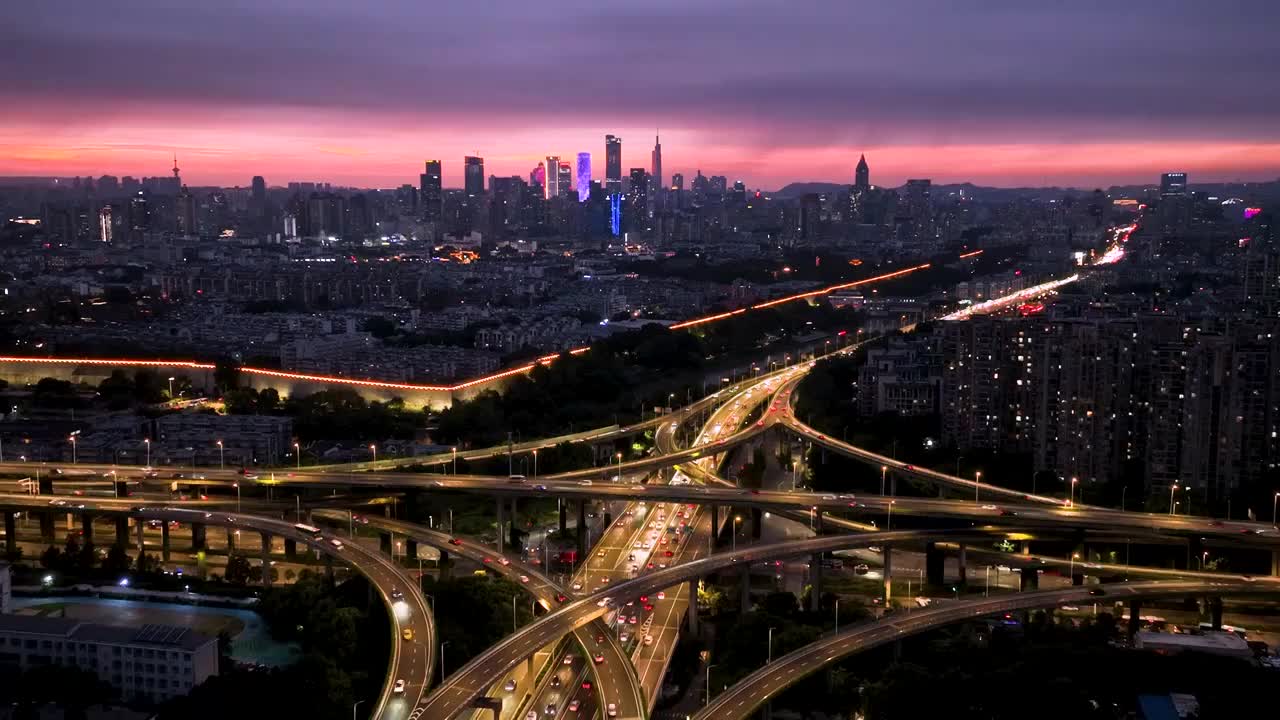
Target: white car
(510, 686)
(612, 711)
(648, 639)
(398, 688)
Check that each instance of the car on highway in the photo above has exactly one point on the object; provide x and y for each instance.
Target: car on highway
(648, 639)
(1097, 592)
(556, 681)
(531, 715)
(861, 569)
(509, 686)
(586, 684)
(584, 482)
(1008, 513)
(398, 688)
(396, 594)
(568, 659)
(407, 634)
(573, 706)
(662, 595)
(599, 639)
(524, 578)
(599, 658)
(612, 710)
(505, 562)
(988, 507)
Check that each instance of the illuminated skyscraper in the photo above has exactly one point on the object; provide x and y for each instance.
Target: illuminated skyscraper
(553, 176)
(564, 183)
(186, 211)
(656, 177)
(431, 192)
(584, 176)
(612, 164)
(862, 175)
(539, 176)
(1174, 183)
(104, 223)
(615, 214)
(474, 177)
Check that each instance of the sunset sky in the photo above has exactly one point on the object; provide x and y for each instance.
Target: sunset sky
(999, 92)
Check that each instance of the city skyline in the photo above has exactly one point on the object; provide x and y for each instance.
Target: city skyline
(777, 95)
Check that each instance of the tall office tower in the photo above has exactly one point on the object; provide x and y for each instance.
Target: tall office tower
(584, 176)
(474, 177)
(656, 177)
(719, 186)
(552, 184)
(258, 194)
(918, 204)
(104, 223)
(186, 212)
(1173, 183)
(862, 176)
(564, 179)
(612, 164)
(431, 192)
(139, 217)
(638, 200)
(539, 176)
(290, 225)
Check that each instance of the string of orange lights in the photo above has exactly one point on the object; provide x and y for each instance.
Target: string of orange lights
(544, 360)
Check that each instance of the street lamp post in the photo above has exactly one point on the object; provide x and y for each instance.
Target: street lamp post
(736, 520)
(442, 644)
(888, 522)
(1273, 508)
(769, 654)
(1071, 567)
(1172, 490)
(455, 460)
(513, 613)
(357, 704)
(1071, 493)
(171, 392)
(237, 496)
(222, 456)
(986, 590)
(884, 471)
(535, 465)
(977, 483)
(72, 438)
(709, 666)
(837, 614)
(374, 449)
(147, 442)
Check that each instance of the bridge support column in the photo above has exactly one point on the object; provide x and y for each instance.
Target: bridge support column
(1275, 562)
(198, 539)
(11, 534)
(121, 488)
(122, 531)
(1030, 579)
(1215, 612)
(757, 522)
(141, 525)
(410, 548)
(715, 520)
(86, 527)
(888, 575)
(963, 566)
(815, 589)
(1026, 547)
(1077, 576)
(47, 530)
(817, 522)
(744, 588)
(693, 607)
(1135, 617)
(582, 531)
(934, 567)
(231, 539)
(502, 526)
(515, 512)
(384, 542)
(266, 559)
(291, 548)
(45, 485)
(1194, 548)
(564, 515)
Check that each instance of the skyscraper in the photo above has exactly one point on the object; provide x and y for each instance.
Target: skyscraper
(104, 224)
(553, 176)
(862, 175)
(539, 176)
(431, 192)
(638, 200)
(564, 180)
(612, 164)
(186, 212)
(1173, 183)
(474, 177)
(584, 176)
(259, 192)
(656, 177)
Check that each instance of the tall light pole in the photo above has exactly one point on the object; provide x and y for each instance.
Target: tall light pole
(442, 644)
(72, 438)
(357, 704)
(1273, 508)
(455, 461)
(736, 520)
(709, 666)
(237, 496)
(513, 613)
(297, 453)
(884, 470)
(374, 449)
(535, 465)
(837, 615)
(1172, 490)
(1071, 567)
(170, 387)
(1071, 493)
(222, 456)
(977, 483)
(769, 655)
(147, 442)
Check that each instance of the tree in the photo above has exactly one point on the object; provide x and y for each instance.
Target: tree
(226, 375)
(87, 558)
(380, 327)
(117, 560)
(225, 662)
(238, 571)
(51, 558)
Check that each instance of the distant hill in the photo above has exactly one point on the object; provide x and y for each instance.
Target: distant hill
(796, 189)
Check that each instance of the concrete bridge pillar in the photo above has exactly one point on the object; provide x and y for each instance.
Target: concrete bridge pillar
(964, 566)
(45, 485)
(815, 573)
(515, 511)
(502, 531)
(744, 588)
(384, 542)
(564, 515)
(121, 488)
(10, 533)
(1194, 548)
(86, 527)
(757, 522)
(198, 540)
(817, 522)
(266, 559)
(1275, 562)
(934, 567)
(231, 538)
(141, 525)
(47, 529)
(410, 548)
(888, 575)
(582, 531)
(291, 548)
(1030, 579)
(1215, 612)
(1135, 617)
(122, 531)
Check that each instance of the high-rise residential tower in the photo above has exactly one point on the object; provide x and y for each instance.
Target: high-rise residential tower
(612, 164)
(584, 176)
(1173, 183)
(564, 180)
(474, 177)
